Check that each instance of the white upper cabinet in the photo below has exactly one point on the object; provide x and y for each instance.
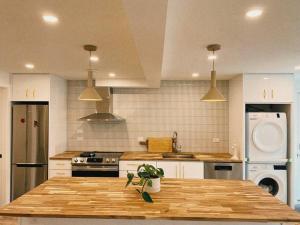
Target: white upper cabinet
(30, 87)
(262, 88)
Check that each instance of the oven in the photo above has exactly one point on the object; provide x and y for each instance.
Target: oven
(95, 171)
(96, 164)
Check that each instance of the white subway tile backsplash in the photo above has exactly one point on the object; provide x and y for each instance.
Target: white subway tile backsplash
(151, 113)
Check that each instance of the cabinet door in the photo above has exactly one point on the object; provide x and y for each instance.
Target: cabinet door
(171, 169)
(31, 88)
(281, 88)
(256, 88)
(59, 173)
(192, 170)
(132, 165)
(123, 173)
(268, 88)
(60, 165)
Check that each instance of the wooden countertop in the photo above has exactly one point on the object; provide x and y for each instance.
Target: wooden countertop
(200, 200)
(67, 155)
(207, 157)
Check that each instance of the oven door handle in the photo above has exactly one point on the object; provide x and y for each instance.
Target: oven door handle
(95, 168)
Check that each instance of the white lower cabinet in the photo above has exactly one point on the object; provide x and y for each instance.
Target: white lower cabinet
(172, 169)
(59, 173)
(131, 166)
(183, 169)
(60, 168)
(192, 170)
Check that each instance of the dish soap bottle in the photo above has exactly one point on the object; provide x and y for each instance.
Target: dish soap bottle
(235, 152)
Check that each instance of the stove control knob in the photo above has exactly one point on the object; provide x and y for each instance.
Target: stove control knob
(81, 160)
(76, 160)
(113, 160)
(107, 160)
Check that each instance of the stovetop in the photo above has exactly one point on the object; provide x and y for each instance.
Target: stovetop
(97, 158)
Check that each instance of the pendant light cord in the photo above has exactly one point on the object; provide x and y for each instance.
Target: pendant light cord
(90, 64)
(213, 60)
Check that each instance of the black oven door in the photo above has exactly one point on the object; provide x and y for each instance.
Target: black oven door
(95, 171)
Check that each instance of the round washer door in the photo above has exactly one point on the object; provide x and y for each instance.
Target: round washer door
(268, 137)
(269, 183)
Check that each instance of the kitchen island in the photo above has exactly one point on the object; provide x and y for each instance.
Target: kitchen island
(106, 201)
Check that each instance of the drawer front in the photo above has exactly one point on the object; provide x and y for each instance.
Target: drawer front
(60, 173)
(60, 165)
(123, 173)
(132, 165)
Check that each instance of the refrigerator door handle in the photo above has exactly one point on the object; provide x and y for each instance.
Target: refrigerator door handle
(30, 164)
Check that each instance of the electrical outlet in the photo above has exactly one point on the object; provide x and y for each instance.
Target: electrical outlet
(141, 139)
(216, 140)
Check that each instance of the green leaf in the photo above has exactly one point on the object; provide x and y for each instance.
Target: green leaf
(147, 197)
(130, 177)
(149, 183)
(143, 174)
(160, 172)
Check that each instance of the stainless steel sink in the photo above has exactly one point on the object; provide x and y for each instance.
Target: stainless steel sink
(177, 155)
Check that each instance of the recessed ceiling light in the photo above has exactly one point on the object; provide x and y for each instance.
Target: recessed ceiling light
(195, 74)
(212, 57)
(112, 74)
(50, 19)
(94, 58)
(253, 13)
(29, 66)
(297, 67)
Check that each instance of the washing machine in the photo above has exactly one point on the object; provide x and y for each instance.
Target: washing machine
(266, 137)
(271, 177)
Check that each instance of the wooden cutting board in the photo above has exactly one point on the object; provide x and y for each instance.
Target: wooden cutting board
(163, 144)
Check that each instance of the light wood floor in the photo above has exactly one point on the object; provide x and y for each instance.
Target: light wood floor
(8, 221)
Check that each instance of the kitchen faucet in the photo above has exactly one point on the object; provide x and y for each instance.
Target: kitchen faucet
(175, 147)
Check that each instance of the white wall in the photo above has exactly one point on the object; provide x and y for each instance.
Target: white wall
(149, 112)
(57, 116)
(4, 137)
(296, 155)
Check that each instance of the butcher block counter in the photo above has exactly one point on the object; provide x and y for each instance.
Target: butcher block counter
(205, 157)
(188, 200)
(131, 155)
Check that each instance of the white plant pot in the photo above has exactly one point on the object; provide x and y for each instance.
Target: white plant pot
(155, 186)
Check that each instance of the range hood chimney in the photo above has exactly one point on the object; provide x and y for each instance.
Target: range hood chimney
(104, 108)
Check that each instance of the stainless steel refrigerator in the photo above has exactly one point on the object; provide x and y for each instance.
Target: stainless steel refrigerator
(29, 164)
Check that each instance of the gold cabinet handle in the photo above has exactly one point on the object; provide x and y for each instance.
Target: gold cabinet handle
(265, 93)
(272, 93)
(27, 92)
(33, 93)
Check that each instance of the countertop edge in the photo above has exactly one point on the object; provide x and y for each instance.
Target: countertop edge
(72, 216)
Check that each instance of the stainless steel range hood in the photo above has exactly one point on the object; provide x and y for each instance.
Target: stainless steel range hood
(104, 109)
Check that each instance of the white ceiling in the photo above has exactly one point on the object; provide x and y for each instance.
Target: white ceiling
(269, 44)
(146, 41)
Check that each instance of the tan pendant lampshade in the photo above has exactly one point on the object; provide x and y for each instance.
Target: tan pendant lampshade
(90, 93)
(213, 95)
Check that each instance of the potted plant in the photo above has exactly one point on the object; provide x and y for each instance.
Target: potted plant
(149, 180)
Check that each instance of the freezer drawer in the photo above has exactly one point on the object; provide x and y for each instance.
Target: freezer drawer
(228, 171)
(26, 176)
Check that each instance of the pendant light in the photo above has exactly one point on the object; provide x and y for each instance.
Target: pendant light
(213, 95)
(90, 93)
